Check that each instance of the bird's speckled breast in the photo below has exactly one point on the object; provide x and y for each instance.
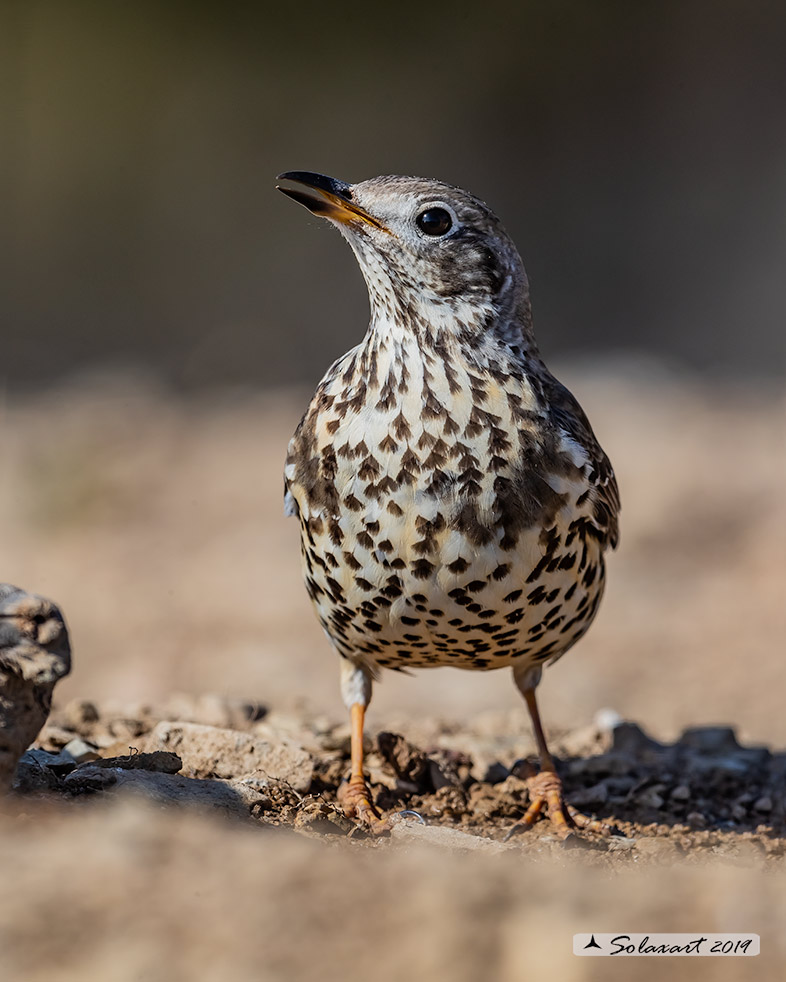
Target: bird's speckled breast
(446, 518)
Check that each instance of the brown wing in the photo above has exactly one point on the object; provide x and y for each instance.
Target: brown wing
(568, 415)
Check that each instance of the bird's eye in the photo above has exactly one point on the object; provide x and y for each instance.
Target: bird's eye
(434, 221)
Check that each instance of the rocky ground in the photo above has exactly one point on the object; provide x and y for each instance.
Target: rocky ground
(154, 836)
(702, 795)
(200, 839)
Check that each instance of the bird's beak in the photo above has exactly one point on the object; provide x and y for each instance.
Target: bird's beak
(333, 199)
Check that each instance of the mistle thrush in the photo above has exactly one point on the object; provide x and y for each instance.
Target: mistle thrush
(454, 503)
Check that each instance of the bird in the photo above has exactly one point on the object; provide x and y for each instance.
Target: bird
(454, 503)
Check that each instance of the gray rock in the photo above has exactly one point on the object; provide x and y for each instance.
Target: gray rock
(162, 761)
(618, 764)
(211, 751)
(34, 654)
(598, 794)
(33, 774)
(631, 739)
(719, 767)
(710, 739)
(650, 798)
(231, 797)
(90, 778)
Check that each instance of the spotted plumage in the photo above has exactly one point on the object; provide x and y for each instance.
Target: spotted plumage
(454, 503)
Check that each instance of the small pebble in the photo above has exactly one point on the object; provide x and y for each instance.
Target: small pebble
(764, 804)
(621, 843)
(681, 793)
(80, 750)
(650, 799)
(607, 719)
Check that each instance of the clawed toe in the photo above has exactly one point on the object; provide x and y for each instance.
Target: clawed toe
(545, 792)
(355, 798)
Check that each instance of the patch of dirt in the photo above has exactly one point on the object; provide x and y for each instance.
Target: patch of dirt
(704, 794)
(124, 861)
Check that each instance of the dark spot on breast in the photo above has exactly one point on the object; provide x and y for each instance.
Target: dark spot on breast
(401, 427)
(335, 589)
(536, 572)
(422, 569)
(467, 521)
(369, 469)
(388, 445)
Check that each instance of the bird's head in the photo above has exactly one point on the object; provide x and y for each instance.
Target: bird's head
(430, 253)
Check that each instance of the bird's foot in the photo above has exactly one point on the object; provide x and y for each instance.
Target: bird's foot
(545, 792)
(355, 798)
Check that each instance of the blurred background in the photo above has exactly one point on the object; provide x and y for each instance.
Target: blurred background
(637, 153)
(165, 315)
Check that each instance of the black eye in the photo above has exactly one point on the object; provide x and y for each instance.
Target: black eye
(434, 221)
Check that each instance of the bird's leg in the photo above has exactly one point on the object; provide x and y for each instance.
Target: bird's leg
(545, 786)
(354, 796)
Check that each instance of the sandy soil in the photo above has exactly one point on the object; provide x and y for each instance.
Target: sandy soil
(156, 524)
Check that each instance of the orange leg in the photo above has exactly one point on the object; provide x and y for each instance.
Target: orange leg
(545, 787)
(355, 797)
